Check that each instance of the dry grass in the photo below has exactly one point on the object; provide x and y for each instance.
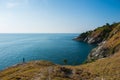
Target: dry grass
(107, 68)
(114, 40)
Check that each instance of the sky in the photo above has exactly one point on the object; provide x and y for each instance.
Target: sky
(56, 16)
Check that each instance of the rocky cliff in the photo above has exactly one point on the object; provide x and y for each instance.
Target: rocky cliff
(106, 37)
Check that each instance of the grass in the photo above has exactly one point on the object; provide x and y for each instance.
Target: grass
(107, 68)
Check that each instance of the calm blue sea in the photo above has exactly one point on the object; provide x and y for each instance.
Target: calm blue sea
(51, 47)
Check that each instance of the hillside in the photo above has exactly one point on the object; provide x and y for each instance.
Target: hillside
(106, 37)
(103, 69)
(99, 34)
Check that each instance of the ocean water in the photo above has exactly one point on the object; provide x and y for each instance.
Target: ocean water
(51, 47)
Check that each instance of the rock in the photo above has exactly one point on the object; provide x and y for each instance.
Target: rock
(106, 37)
(98, 52)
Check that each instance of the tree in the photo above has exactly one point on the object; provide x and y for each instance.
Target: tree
(107, 24)
(65, 61)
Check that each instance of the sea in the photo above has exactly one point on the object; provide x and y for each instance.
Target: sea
(42, 46)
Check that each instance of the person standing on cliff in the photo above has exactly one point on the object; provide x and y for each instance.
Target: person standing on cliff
(23, 60)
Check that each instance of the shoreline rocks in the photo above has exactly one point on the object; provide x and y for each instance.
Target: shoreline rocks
(106, 37)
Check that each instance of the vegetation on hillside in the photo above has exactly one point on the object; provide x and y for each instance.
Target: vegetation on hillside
(99, 34)
(107, 37)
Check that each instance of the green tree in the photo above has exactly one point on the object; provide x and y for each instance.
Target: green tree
(107, 24)
(65, 61)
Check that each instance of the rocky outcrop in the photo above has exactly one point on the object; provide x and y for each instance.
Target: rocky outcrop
(106, 37)
(96, 36)
(98, 52)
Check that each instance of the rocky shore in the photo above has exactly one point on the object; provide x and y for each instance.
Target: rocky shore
(106, 37)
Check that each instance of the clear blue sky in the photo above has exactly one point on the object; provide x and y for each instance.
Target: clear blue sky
(56, 16)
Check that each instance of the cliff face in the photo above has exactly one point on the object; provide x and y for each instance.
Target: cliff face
(106, 37)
